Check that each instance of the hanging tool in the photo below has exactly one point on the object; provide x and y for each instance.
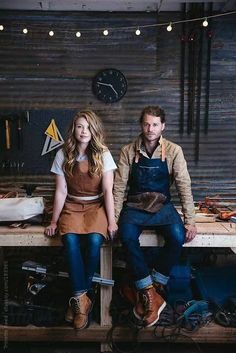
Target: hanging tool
(191, 83)
(19, 133)
(199, 93)
(208, 71)
(182, 70)
(192, 68)
(7, 133)
(27, 115)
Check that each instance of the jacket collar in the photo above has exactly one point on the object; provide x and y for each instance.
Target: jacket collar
(139, 147)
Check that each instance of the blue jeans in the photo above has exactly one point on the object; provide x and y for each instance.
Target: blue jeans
(83, 255)
(160, 261)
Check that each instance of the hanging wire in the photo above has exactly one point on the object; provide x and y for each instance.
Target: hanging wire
(133, 28)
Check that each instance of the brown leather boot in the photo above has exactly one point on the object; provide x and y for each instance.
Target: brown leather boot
(69, 315)
(153, 304)
(140, 307)
(131, 294)
(81, 306)
(160, 289)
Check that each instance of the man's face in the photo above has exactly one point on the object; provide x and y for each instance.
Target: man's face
(152, 127)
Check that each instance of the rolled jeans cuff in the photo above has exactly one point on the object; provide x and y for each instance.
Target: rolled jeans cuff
(159, 277)
(79, 292)
(143, 283)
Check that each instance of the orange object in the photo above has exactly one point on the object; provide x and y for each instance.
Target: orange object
(225, 215)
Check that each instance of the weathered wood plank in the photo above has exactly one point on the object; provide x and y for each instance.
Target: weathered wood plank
(211, 333)
(217, 234)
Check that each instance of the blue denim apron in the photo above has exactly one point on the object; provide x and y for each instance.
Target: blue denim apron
(150, 175)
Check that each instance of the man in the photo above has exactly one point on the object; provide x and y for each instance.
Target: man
(147, 167)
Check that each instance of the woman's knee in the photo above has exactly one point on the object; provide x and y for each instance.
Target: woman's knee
(95, 240)
(71, 240)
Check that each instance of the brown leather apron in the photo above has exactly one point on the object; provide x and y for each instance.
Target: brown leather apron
(83, 216)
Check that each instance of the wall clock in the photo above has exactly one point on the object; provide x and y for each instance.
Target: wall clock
(109, 85)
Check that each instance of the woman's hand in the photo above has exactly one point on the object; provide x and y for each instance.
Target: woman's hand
(51, 229)
(112, 230)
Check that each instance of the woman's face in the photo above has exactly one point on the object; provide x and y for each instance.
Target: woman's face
(82, 131)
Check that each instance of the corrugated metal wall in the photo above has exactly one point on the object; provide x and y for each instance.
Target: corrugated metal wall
(38, 72)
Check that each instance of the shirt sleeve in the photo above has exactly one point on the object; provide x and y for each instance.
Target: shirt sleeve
(57, 163)
(183, 186)
(108, 162)
(121, 180)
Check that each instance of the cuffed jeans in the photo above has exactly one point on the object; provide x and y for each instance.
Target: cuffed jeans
(83, 255)
(160, 261)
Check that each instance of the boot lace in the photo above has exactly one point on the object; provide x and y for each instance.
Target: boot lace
(75, 304)
(146, 301)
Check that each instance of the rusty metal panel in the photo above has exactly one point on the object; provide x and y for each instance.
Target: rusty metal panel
(39, 73)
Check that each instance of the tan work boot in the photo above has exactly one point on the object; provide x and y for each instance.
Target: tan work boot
(69, 315)
(140, 307)
(132, 295)
(153, 304)
(81, 307)
(160, 289)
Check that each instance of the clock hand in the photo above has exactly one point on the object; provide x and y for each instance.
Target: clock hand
(104, 84)
(113, 89)
(109, 85)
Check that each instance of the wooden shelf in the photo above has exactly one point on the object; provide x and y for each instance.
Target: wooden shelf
(211, 333)
(212, 234)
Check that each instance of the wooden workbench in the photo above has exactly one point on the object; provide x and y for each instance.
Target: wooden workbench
(214, 234)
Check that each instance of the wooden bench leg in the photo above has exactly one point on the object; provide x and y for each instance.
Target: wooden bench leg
(106, 291)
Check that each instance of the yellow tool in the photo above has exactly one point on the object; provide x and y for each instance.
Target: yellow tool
(8, 139)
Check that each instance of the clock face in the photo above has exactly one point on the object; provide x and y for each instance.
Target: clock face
(109, 85)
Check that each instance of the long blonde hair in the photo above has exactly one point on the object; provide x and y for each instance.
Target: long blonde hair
(95, 148)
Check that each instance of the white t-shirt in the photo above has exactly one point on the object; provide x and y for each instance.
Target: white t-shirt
(108, 162)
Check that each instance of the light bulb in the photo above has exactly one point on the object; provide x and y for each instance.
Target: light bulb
(169, 28)
(78, 34)
(137, 32)
(51, 33)
(105, 32)
(1, 28)
(205, 23)
(25, 30)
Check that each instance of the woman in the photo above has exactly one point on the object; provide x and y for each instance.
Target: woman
(83, 210)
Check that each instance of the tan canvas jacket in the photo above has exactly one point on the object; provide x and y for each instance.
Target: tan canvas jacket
(178, 172)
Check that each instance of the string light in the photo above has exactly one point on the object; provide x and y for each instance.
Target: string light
(155, 25)
(205, 23)
(25, 30)
(169, 28)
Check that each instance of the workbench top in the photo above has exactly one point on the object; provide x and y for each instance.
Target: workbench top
(213, 234)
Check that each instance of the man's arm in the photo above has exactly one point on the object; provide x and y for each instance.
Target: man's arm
(121, 180)
(183, 186)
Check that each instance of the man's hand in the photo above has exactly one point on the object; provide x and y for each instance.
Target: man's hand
(191, 232)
